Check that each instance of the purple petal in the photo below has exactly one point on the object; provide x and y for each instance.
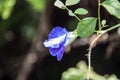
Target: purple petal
(57, 52)
(57, 31)
(60, 53)
(57, 41)
(54, 51)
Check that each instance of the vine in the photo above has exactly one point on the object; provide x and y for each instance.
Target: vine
(85, 28)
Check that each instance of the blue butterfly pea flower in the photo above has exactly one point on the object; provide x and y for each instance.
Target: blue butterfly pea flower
(58, 39)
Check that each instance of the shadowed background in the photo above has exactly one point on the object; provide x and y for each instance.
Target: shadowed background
(25, 24)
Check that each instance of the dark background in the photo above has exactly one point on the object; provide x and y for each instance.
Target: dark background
(22, 53)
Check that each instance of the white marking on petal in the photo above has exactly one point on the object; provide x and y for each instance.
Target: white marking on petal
(54, 43)
(71, 37)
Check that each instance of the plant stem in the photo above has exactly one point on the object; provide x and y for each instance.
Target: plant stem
(99, 17)
(77, 17)
(73, 14)
(113, 27)
(93, 43)
(89, 53)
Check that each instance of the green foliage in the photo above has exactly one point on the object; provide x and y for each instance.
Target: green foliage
(6, 7)
(81, 11)
(73, 74)
(113, 7)
(86, 26)
(80, 73)
(71, 2)
(38, 5)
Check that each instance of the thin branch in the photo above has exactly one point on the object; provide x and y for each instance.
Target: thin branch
(99, 17)
(89, 53)
(73, 14)
(93, 43)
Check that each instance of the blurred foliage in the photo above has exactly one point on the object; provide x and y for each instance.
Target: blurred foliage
(13, 19)
(38, 5)
(80, 73)
(6, 7)
(28, 31)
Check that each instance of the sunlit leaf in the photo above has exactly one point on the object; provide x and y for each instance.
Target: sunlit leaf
(113, 7)
(59, 4)
(86, 26)
(81, 11)
(71, 2)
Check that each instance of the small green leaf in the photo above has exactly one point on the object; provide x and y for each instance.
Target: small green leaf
(113, 7)
(86, 26)
(71, 2)
(59, 4)
(81, 11)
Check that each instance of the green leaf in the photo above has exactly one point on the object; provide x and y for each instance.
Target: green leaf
(81, 11)
(71, 2)
(113, 7)
(86, 26)
(59, 4)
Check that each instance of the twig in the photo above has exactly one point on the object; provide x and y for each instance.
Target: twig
(89, 52)
(99, 16)
(93, 43)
